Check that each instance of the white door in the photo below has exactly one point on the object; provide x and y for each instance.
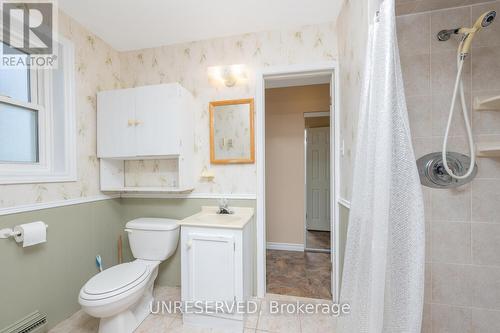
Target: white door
(211, 268)
(115, 123)
(318, 179)
(158, 123)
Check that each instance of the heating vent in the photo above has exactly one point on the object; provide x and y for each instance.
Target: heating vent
(35, 322)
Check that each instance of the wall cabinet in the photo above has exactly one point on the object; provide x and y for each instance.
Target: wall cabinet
(150, 122)
(216, 265)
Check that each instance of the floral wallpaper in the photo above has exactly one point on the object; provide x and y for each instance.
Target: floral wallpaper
(152, 173)
(352, 45)
(187, 64)
(99, 67)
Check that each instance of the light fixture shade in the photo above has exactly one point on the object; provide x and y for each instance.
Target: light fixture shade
(228, 75)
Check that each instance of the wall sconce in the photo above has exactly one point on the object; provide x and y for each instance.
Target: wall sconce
(228, 75)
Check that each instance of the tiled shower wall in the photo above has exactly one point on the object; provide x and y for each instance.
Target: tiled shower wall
(462, 290)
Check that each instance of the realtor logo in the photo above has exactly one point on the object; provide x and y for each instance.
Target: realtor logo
(28, 33)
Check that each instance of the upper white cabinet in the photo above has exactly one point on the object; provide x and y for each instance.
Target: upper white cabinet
(149, 122)
(145, 121)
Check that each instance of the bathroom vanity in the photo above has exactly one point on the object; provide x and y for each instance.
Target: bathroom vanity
(217, 263)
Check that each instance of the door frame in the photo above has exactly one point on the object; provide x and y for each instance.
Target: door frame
(299, 70)
(312, 115)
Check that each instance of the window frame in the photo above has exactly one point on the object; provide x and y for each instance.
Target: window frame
(41, 92)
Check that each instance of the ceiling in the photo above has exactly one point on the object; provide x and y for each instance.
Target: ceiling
(132, 24)
(404, 7)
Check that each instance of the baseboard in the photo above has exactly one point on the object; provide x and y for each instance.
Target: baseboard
(285, 246)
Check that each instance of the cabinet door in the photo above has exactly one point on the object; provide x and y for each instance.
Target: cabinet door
(158, 123)
(211, 268)
(115, 127)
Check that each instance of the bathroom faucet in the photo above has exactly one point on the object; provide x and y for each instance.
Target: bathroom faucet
(223, 207)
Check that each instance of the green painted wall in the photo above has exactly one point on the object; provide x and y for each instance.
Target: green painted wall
(48, 277)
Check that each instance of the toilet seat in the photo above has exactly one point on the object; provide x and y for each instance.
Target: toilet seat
(115, 281)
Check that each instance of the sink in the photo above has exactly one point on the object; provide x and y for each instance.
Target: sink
(219, 218)
(208, 217)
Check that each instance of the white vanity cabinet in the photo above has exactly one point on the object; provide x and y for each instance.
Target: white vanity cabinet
(217, 266)
(149, 122)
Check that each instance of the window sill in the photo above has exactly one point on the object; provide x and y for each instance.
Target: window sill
(34, 179)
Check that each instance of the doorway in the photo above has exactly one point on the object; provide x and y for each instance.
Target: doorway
(292, 102)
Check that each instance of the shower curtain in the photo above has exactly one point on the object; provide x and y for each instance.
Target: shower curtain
(383, 279)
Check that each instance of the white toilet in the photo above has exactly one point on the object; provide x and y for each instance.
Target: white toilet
(121, 295)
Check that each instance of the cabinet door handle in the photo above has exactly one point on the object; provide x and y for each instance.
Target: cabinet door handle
(131, 122)
(138, 122)
(189, 244)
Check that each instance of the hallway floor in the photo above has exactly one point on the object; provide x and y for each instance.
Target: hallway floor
(303, 274)
(318, 239)
(261, 322)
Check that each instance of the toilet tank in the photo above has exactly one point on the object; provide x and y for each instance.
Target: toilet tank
(152, 238)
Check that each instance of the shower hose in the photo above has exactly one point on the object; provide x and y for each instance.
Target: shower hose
(459, 87)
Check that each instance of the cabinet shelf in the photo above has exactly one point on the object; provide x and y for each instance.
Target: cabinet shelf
(487, 103)
(488, 149)
(150, 189)
(144, 124)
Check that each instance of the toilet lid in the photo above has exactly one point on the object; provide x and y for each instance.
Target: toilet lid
(116, 277)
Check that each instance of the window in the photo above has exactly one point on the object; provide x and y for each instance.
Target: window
(37, 127)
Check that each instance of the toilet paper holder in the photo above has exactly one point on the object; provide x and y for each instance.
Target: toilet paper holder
(9, 232)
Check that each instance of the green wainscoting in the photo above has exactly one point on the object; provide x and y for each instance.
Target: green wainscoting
(48, 277)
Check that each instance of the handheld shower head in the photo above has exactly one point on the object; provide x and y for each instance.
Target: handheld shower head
(482, 22)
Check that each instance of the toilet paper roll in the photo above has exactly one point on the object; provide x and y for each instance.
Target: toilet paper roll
(31, 233)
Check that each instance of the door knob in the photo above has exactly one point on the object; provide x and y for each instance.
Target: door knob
(131, 122)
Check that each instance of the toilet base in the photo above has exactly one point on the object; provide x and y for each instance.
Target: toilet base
(127, 321)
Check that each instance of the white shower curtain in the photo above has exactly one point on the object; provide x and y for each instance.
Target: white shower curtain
(383, 277)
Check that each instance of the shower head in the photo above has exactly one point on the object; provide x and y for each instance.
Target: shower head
(482, 22)
(488, 18)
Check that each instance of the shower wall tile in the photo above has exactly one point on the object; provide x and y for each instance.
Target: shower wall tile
(428, 284)
(416, 74)
(486, 243)
(421, 147)
(448, 19)
(485, 287)
(414, 34)
(428, 241)
(491, 35)
(444, 72)
(486, 200)
(420, 115)
(451, 205)
(454, 319)
(485, 321)
(440, 110)
(455, 143)
(485, 68)
(451, 242)
(427, 319)
(462, 277)
(452, 284)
